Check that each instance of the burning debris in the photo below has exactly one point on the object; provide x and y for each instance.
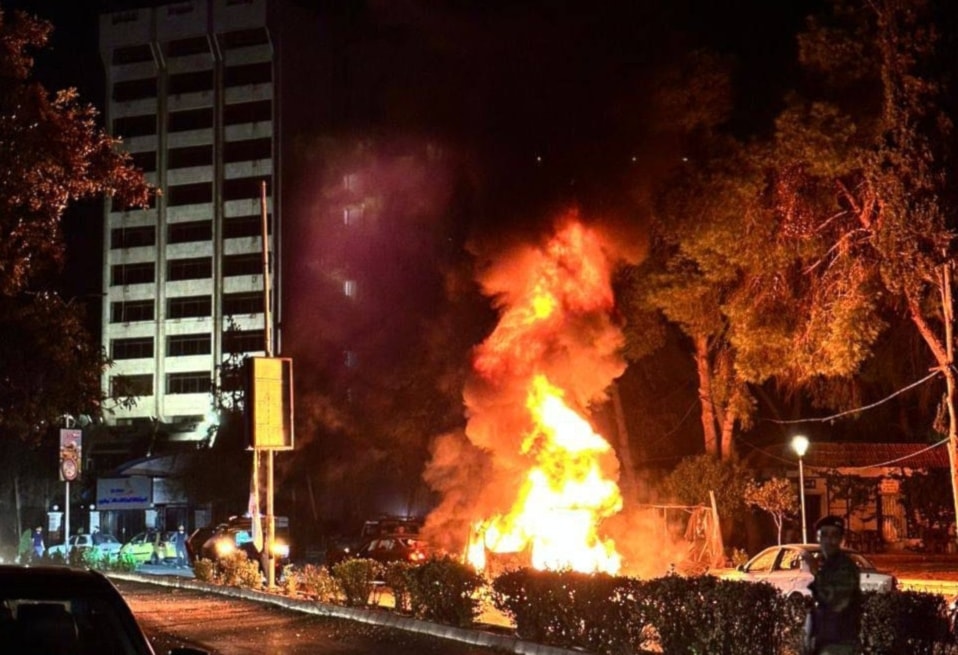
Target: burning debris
(531, 474)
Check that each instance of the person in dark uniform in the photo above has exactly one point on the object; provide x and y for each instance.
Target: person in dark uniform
(834, 623)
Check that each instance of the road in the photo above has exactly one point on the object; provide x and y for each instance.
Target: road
(230, 626)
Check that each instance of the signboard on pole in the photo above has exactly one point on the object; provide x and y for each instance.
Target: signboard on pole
(134, 492)
(269, 403)
(71, 454)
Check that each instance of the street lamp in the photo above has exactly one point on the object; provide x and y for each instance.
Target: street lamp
(800, 445)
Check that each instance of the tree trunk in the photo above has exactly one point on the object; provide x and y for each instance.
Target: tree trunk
(943, 352)
(702, 365)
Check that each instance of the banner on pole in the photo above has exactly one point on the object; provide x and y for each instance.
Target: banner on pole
(71, 454)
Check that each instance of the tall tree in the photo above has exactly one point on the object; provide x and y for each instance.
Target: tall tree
(52, 154)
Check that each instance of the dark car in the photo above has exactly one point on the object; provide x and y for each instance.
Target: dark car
(57, 610)
(237, 534)
(361, 544)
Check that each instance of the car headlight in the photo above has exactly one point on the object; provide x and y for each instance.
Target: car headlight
(224, 548)
(280, 550)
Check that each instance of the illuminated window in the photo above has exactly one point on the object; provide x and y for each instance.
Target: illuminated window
(349, 288)
(352, 215)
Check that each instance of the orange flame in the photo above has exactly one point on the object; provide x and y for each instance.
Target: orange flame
(547, 329)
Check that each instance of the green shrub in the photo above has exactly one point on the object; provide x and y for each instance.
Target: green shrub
(445, 590)
(356, 576)
(398, 577)
(320, 584)
(237, 570)
(291, 581)
(903, 622)
(204, 570)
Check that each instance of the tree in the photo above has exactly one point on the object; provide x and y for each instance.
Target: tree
(775, 496)
(52, 154)
(695, 478)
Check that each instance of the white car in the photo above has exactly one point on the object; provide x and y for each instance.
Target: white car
(105, 543)
(784, 568)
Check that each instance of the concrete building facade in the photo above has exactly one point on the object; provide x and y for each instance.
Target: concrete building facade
(192, 90)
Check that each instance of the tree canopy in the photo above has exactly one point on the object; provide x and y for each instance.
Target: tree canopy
(52, 154)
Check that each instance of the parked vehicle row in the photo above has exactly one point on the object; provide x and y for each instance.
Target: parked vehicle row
(150, 546)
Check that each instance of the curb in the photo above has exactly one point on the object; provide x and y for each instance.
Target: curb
(385, 618)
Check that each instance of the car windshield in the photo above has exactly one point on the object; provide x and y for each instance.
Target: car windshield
(55, 624)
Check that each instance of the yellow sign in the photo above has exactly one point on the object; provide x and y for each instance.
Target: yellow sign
(269, 403)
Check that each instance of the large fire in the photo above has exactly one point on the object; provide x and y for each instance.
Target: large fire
(555, 350)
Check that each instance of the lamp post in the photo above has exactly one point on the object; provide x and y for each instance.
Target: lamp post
(800, 446)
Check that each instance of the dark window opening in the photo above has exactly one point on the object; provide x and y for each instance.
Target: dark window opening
(188, 344)
(137, 348)
(192, 119)
(131, 310)
(132, 273)
(117, 205)
(243, 341)
(134, 90)
(243, 303)
(191, 82)
(131, 126)
(145, 161)
(192, 231)
(242, 38)
(190, 156)
(190, 194)
(247, 264)
(242, 187)
(132, 54)
(132, 237)
(131, 385)
(190, 307)
(248, 112)
(198, 382)
(185, 47)
(259, 73)
(247, 150)
(195, 268)
(245, 226)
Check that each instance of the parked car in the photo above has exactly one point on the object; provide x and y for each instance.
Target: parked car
(103, 542)
(153, 546)
(785, 568)
(350, 546)
(56, 609)
(237, 534)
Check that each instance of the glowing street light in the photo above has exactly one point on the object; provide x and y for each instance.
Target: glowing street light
(800, 446)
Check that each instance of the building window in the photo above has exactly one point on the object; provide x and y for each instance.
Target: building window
(245, 226)
(186, 47)
(243, 38)
(194, 268)
(350, 358)
(131, 310)
(191, 82)
(134, 90)
(247, 264)
(242, 187)
(191, 231)
(146, 161)
(191, 156)
(132, 237)
(190, 194)
(248, 150)
(131, 385)
(131, 348)
(352, 215)
(122, 274)
(130, 126)
(191, 119)
(349, 288)
(133, 54)
(244, 341)
(196, 382)
(258, 73)
(190, 307)
(243, 303)
(183, 345)
(248, 112)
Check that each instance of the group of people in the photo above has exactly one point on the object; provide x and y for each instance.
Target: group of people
(833, 624)
(32, 546)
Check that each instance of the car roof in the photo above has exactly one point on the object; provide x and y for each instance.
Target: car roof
(53, 581)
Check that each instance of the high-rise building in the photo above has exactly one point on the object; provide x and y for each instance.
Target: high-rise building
(192, 89)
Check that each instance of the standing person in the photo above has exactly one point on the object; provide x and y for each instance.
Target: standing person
(179, 541)
(834, 623)
(37, 542)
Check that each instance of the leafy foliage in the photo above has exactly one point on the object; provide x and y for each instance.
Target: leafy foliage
(775, 496)
(692, 480)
